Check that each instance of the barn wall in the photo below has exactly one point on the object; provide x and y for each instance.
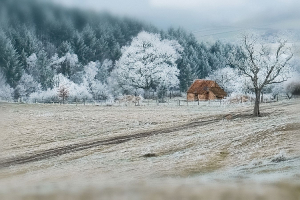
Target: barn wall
(211, 96)
(190, 96)
(203, 97)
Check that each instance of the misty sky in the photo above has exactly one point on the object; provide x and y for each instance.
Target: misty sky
(205, 18)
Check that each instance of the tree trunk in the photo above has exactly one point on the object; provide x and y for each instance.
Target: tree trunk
(146, 93)
(256, 112)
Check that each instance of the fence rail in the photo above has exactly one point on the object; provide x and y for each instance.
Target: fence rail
(157, 102)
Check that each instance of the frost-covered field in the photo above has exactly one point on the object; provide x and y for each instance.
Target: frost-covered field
(210, 151)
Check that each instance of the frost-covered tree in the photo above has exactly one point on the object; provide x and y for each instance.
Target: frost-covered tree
(162, 91)
(148, 62)
(231, 80)
(5, 90)
(75, 91)
(49, 95)
(26, 86)
(98, 88)
(63, 93)
(198, 60)
(64, 48)
(32, 67)
(9, 61)
(104, 70)
(264, 64)
(90, 41)
(67, 65)
(80, 49)
(292, 86)
(186, 75)
(44, 70)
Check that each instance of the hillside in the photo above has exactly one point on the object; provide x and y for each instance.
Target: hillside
(37, 36)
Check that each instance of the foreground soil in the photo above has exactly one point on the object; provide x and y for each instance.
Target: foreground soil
(210, 151)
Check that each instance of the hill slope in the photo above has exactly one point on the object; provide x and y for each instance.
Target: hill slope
(33, 29)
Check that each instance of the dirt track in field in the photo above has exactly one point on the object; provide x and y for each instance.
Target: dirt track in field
(93, 152)
(45, 154)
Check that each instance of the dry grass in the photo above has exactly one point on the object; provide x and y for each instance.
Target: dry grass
(278, 192)
(229, 159)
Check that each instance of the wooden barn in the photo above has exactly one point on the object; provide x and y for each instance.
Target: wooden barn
(205, 90)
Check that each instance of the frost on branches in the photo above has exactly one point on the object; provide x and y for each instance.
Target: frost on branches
(231, 80)
(263, 63)
(147, 63)
(89, 85)
(67, 65)
(76, 92)
(63, 93)
(94, 71)
(26, 86)
(292, 86)
(5, 90)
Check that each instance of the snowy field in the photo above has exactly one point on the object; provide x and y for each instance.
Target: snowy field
(207, 151)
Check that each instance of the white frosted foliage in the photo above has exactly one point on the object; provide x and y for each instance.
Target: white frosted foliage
(148, 62)
(76, 91)
(5, 90)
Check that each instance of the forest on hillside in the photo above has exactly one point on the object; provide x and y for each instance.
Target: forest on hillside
(44, 46)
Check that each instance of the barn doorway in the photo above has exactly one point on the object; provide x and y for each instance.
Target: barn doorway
(196, 98)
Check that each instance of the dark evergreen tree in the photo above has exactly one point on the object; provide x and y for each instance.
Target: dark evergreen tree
(9, 61)
(80, 49)
(45, 73)
(64, 48)
(42, 30)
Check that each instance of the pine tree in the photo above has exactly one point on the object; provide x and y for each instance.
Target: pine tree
(90, 41)
(80, 49)
(64, 48)
(46, 74)
(9, 61)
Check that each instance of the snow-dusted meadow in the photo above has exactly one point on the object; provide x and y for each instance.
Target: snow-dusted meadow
(230, 155)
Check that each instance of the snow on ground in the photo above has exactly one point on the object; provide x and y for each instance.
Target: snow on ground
(230, 158)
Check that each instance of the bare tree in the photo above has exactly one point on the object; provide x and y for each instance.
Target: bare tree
(264, 64)
(63, 93)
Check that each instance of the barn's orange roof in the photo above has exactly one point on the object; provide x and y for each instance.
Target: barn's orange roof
(201, 86)
(218, 92)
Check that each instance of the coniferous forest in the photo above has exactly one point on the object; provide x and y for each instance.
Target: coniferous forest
(40, 40)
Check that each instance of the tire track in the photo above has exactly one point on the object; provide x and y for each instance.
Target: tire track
(58, 151)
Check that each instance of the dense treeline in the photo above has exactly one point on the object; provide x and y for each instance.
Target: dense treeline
(198, 59)
(39, 40)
